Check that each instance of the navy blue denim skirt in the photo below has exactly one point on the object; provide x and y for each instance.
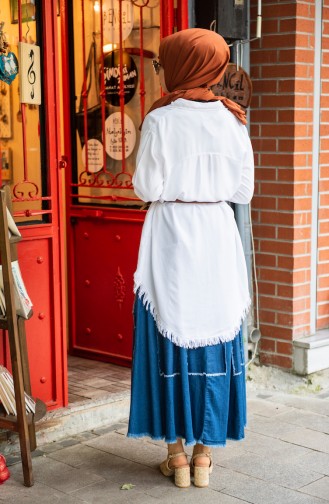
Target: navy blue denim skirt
(198, 395)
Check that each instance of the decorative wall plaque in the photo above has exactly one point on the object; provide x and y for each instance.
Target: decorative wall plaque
(111, 20)
(112, 76)
(30, 73)
(95, 155)
(235, 85)
(113, 131)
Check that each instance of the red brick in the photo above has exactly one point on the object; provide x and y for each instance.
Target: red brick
(268, 188)
(273, 331)
(323, 282)
(283, 347)
(286, 291)
(282, 100)
(267, 344)
(322, 323)
(275, 303)
(288, 25)
(267, 316)
(323, 268)
(285, 160)
(323, 255)
(278, 40)
(324, 228)
(265, 173)
(261, 57)
(264, 232)
(322, 296)
(275, 275)
(323, 310)
(263, 202)
(276, 360)
(277, 218)
(266, 288)
(270, 246)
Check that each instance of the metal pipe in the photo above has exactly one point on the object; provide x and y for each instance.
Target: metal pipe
(315, 162)
(259, 20)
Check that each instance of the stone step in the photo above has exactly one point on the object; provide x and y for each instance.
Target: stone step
(76, 418)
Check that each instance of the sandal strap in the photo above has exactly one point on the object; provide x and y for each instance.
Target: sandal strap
(174, 455)
(202, 454)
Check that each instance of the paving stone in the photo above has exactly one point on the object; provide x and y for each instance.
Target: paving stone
(268, 427)
(319, 488)
(307, 419)
(302, 402)
(190, 495)
(263, 445)
(105, 492)
(256, 491)
(84, 436)
(267, 408)
(110, 428)
(137, 450)
(39, 493)
(308, 438)
(61, 476)
(106, 465)
(266, 469)
(316, 461)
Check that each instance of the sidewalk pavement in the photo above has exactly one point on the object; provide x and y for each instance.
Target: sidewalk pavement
(283, 459)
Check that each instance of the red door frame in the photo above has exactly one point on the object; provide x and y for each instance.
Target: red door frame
(41, 251)
(171, 17)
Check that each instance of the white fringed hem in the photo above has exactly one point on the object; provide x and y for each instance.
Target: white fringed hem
(221, 337)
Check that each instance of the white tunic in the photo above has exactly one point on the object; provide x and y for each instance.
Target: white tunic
(191, 269)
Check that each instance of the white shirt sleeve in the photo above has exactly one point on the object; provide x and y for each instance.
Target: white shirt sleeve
(246, 189)
(148, 176)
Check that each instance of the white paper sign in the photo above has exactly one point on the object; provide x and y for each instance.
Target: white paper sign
(111, 20)
(95, 155)
(113, 131)
(30, 73)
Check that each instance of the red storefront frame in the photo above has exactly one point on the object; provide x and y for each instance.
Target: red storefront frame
(89, 227)
(41, 252)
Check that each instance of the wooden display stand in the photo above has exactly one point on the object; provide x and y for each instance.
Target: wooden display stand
(22, 423)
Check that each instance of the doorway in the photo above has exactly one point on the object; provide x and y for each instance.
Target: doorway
(108, 88)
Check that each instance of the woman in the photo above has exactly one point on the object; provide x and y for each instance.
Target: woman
(191, 282)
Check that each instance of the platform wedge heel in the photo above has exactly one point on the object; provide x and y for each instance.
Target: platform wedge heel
(201, 473)
(182, 473)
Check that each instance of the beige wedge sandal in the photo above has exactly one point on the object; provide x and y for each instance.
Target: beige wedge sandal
(182, 473)
(201, 473)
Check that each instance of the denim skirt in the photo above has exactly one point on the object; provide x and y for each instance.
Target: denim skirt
(198, 394)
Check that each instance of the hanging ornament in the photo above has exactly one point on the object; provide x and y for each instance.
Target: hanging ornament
(8, 62)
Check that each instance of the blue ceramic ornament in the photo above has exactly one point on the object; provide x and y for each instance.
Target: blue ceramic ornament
(8, 67)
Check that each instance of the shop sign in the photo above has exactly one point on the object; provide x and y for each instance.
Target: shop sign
(112, 76)
(30, 74)
(114, 134)
(111, 20)
(95, 155)
(235, 85)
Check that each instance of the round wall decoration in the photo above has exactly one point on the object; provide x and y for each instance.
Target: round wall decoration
(95, 155)
(111, 20)
(113, 131)
(112, 75)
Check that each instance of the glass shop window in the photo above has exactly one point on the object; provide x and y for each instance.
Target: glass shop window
(22, 160)
(114, 86)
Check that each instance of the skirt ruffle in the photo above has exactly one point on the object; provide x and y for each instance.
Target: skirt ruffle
(195, 394)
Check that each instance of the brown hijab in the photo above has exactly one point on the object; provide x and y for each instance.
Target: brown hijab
(193, 60)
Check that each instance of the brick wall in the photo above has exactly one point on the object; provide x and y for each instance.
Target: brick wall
(281, 130)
